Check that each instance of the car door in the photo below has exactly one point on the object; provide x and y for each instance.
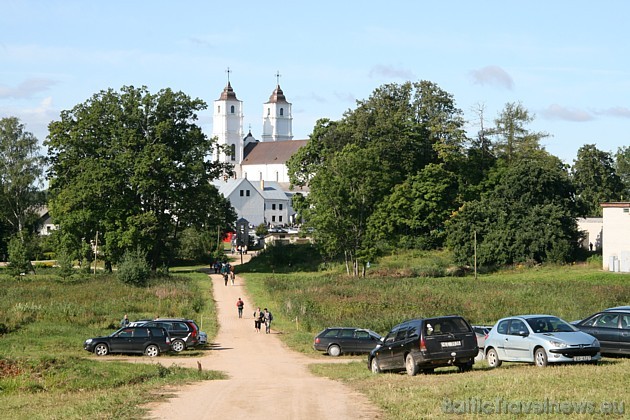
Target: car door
(384, 354)
(364, 342)
(139, 339)
(517, 342)
(346, 340)
(121, 341)
(501, 333)
(605, 327)
(399, 347)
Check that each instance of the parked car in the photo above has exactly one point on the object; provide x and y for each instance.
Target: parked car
(150, 341)
(611, 327)
(539, 339)
(481, 332)
(339, 340)
(425, 344)
(184, 332)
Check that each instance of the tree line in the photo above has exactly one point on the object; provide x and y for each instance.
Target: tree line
(127, 171)
(131, 171)
(399, 171)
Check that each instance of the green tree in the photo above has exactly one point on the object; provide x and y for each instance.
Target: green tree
(595, 179)
(622, 168)
(21, 169)
(415, 214)
(529, 216)
(134, 167)
(343, 196)
(512, 139)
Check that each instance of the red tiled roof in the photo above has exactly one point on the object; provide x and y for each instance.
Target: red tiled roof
(271, 152)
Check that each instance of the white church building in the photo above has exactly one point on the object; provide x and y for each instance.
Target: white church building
(259, 165)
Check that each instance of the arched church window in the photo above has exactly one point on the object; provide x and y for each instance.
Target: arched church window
(268, 111)
(233, 152)
(232, 109)
(219, 109)
(281, 111)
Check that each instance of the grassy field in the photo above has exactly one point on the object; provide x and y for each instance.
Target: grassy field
(44, 371)
(399, 288)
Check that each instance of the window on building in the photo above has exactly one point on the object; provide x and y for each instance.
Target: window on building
(280, 218)
(273, 206)
(277, 176)
(247, 193)
(273, 218)
(232, 109)
(219, 109)
(281, 111)
(279, 206)
(233, 152)
(242, 193)
(268, 111)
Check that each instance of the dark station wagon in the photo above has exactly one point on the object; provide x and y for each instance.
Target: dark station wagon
(425, 344)
(338, 340)
(150, 341)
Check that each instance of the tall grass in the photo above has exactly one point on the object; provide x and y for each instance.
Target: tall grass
(44, 371)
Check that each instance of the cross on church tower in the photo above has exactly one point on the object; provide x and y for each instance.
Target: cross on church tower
(278, 77)
(228, 71)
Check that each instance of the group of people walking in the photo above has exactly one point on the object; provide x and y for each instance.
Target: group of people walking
(226, 270)
(260, 317)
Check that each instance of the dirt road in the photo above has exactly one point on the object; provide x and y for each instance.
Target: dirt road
(266, 379)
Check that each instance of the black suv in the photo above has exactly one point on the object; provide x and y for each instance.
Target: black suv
(184, 332)
(150, 341)
(425, 344)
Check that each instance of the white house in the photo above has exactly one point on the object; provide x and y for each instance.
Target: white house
(247, 200)
(616, 241)
(592, 228)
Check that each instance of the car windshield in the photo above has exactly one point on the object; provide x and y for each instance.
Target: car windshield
(549, 324)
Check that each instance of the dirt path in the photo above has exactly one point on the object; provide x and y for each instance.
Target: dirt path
(266, 379)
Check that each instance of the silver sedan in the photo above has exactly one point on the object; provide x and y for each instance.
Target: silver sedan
(539, 339)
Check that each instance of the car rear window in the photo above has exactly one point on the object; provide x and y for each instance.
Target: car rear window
(140, 333)
(439, 326)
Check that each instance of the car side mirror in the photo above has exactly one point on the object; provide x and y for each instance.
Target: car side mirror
(523, 333)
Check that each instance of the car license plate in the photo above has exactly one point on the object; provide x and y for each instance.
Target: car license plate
(581, 358)
(451, 343)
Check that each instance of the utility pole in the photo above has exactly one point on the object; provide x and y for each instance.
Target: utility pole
(95, 252)
(475, 255)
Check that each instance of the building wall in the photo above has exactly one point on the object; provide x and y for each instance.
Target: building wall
(270, 172)
(617, 237)
(592, 227)
(249, 207)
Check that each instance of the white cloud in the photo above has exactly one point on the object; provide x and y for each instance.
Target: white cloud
(558, 112)
(26, 89)
(492, 76)
(391, 72)
(617, 111)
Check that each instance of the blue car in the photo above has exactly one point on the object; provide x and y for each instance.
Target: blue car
(539, 339)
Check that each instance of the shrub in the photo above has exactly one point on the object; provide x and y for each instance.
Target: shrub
(19, 262)
(134, 269)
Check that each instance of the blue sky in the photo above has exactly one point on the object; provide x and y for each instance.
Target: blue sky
(567, 62)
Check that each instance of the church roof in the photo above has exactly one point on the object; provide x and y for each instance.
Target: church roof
(277, 96)
(228, 93)
(271, 152)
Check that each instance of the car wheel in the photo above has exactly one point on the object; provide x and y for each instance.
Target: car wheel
(101, 349)
(540, 357)
(178, 345)
(334, 350)
(493, 358)
(152, 350)
(376, 368)
(411, 366)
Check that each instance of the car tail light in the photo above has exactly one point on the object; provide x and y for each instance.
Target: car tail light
(317, 340)
(423, 345)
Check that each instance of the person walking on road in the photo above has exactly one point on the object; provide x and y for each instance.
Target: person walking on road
(225, 272)
(258, 319)
(239, 305)
(268, 317)
(232, 275)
